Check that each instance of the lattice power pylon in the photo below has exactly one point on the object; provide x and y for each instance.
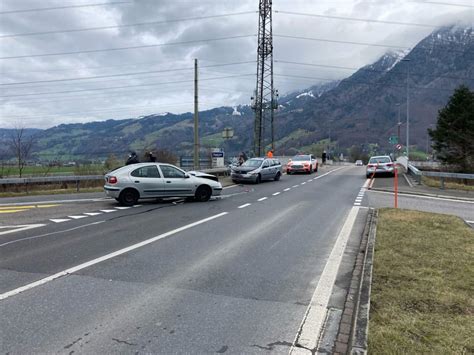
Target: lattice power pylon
(265, 100)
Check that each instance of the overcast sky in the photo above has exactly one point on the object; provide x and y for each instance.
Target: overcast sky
(113, 94)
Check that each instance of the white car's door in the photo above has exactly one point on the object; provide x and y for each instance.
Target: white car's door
(175, 181)
(148, 181)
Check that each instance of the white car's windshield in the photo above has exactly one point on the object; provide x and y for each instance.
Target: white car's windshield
(253, 163)
(301, 158)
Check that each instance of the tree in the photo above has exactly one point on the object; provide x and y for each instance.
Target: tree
(20, 146)
(453, 137)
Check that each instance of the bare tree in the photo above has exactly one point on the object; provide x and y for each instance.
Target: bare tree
(20, 146)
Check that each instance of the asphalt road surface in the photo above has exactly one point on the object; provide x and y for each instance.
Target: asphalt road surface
(233, 275)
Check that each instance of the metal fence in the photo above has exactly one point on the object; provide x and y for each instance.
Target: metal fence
(437, 174)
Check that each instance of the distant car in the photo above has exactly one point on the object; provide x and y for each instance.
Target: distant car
(359, 163)
(256, 170)
(382, 164)
(130, 183)
(302, 163)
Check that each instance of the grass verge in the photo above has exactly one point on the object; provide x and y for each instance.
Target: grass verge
(422, 287)
(433, 182)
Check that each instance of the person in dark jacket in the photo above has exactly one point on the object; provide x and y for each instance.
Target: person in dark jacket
(323, 157)
(151, 157)
(132, 158)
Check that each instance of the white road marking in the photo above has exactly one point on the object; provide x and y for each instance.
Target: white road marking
(356, 204)
(311, 326)
(229, 187)
(48, 234)
(92, 213)
(77, 217)
(106, 257)
(108, 211)
(122, 208)
(276, 193)
(400, 194)
(470, 222)
(295, 186)
(262, 199)
(246, 205)
(59, 220)
(20, 228)
(137, 206)
(310, 180)
(287, 189)
(304, 182)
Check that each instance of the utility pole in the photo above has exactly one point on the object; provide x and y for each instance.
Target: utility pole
(399, 124)
(265, 99)
(196, 118)
(408, 107)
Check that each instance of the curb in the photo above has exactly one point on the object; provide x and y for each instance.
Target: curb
(426, 194)
(345, 333)
(360, 325)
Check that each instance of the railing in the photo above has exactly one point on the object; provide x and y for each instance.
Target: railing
(50, 179)
(437, 174)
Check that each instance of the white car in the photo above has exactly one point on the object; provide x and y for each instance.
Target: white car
(359, 163)
(382, 164)
(132, 182)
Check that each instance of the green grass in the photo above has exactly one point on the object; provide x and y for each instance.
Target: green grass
(433, 182)
(422, 287)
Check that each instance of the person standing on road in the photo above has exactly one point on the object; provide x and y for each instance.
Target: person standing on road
(151, 157)
(323, 157)
(132, 158)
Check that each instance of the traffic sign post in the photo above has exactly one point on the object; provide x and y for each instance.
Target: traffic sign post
(398, 146)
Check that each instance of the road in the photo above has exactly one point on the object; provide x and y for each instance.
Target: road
(233, 275)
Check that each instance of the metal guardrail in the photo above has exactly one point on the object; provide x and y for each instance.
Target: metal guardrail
(48, 179)
(438, 174)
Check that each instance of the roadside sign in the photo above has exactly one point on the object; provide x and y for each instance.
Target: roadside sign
(398, 146)
(393, 140)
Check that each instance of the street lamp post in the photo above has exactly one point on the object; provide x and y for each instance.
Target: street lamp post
(399, 124)
(408, 108)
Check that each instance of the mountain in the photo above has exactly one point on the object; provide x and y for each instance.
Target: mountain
(363, 108)
(359, 110)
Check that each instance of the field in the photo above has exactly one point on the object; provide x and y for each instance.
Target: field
(423, 282)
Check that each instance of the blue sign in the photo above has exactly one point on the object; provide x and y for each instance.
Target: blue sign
(217, 154)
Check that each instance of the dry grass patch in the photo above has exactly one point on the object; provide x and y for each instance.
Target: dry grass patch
(422, 285)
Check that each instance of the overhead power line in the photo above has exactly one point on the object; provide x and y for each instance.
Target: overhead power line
(124, 74)
(126, 25)
(356, 19)
(370, 70)
(443, 3)
(63, 7)
(127, 48)
(121, 87)
(341, 42)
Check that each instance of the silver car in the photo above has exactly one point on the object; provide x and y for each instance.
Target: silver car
(256, 170)
(130, 183)
(382, 164)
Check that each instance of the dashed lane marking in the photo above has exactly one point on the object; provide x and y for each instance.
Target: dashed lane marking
(262, 199)
(108, 211)
(276, 193)
(295, 186)
(59, 220)
(122, 208)
(77, 217)
(92, 213)
(287, 189)
(245, 205)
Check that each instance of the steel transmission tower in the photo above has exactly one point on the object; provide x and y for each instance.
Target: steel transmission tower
(265, 100)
